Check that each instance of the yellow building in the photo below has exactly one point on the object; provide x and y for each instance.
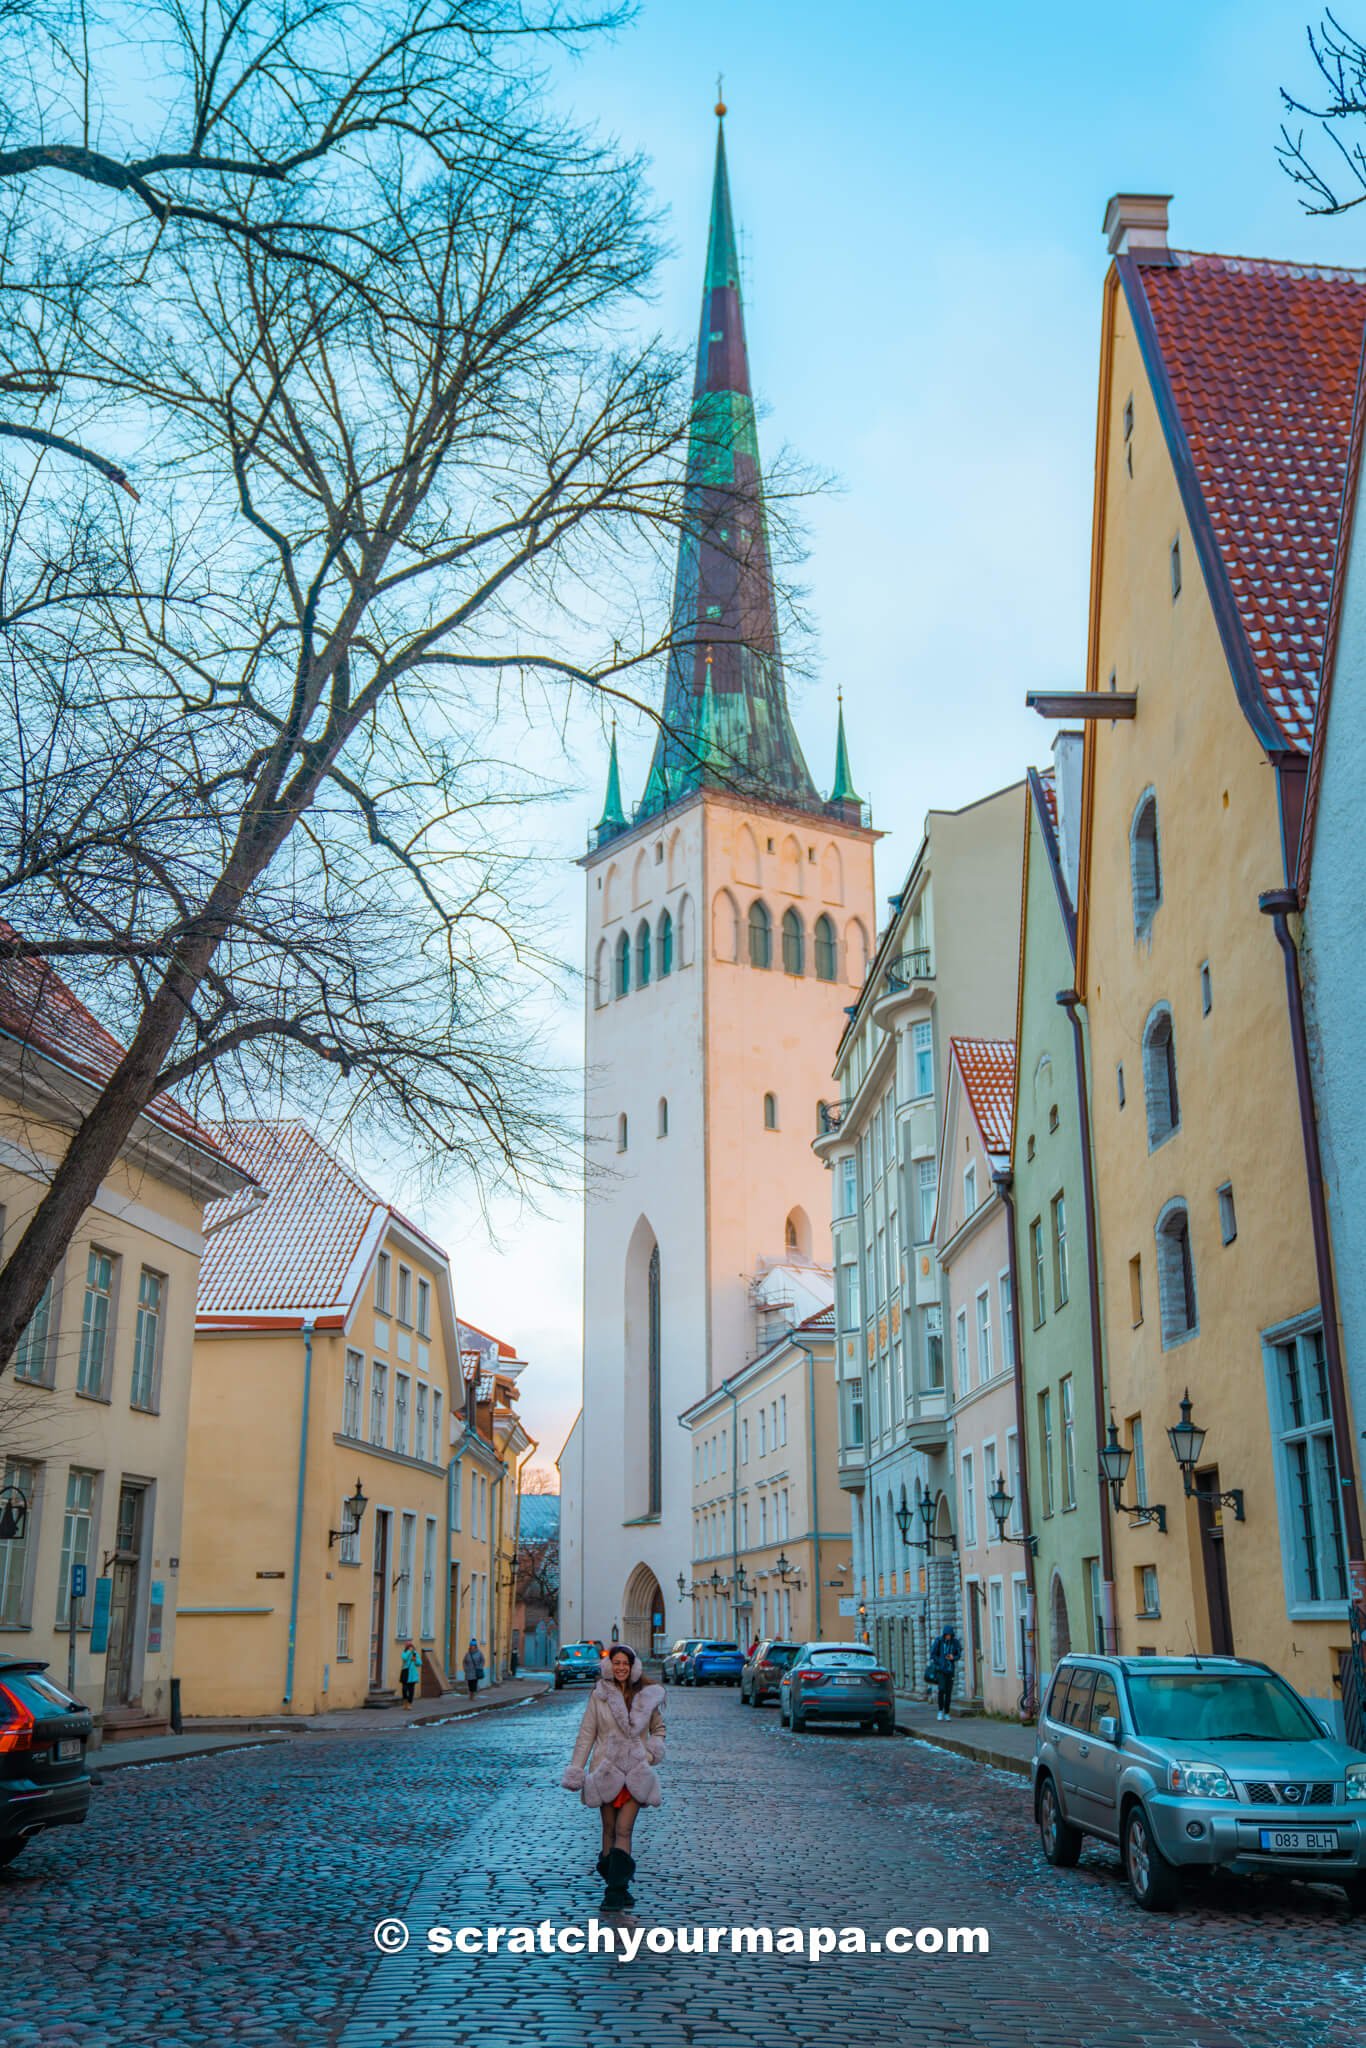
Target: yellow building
(1224, 419)
(327, 1370)
(94, 1404)
(491, 1453)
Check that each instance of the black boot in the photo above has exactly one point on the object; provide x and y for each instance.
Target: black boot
(619, 1867)
(630, 1873)
(601, 1866)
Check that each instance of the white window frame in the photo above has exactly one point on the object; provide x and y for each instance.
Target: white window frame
(379, 1400)
(960, 1353)
(427, 1623)
(970, 1189)
(1006, 1296)
(353, 1393)
(144, 1391)
(1290, 1501)
(983, 1335)
(403, 1403)
(345, 1615)
(79, 1518)
(922, 1060)
(421, 1445)
(989, 1475)
(996, 1623)
(1067, 1417)
(407, 1565)
(969, 1491)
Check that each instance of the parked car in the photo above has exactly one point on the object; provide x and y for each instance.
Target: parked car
(761, 1673)
(677, 1663)
(577, 1664)
(1187, 1762)
(715, 1664)
(43, 1736)
(836, 1682)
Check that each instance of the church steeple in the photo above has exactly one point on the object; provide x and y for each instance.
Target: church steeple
(724, 605)
(843, 791)
(613, 817)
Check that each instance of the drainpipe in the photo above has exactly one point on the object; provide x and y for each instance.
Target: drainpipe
(1071, 1002)
(299, 1516)
(815, 1487)
(1277, 904)
(1004, 1182)
(496, 1553)
(446, 1666)
(726, 1388)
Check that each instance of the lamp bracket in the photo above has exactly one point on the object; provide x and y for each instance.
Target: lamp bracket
(1140, 1517)
(1233, 1498)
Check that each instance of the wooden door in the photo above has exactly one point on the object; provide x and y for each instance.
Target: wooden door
(1216, 1568)
(123, 1603)
(379, 1598)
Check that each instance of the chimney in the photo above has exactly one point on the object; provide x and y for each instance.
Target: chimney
(1136, 225)
(1067, 753)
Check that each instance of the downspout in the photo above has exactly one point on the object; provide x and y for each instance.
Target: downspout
(299, 1516)
(1277, 905)
(446, 1576)
(1004, 1182)
(495, 1604)
(734, 1498)
(815, 1488)
(1071, 1002)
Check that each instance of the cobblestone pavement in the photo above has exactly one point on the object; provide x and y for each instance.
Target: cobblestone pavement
(231, 1900)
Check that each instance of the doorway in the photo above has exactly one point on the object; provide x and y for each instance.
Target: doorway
(379, 1598)
(119, 1673)
(975, 1614)
(1211, 1518)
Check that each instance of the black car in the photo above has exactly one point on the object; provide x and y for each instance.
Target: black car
(577, 1664)
(762, 1675)
(43, 1735)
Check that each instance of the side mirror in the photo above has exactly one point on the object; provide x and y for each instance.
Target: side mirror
(1108, 1728)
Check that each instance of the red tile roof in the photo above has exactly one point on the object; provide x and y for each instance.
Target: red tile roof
(988, 1069)
(1262, 361)
(1048, 784)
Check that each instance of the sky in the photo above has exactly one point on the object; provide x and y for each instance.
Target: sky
(920, 193)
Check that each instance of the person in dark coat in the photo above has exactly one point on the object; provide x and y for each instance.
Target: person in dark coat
(473, 1666)
(946, 1653)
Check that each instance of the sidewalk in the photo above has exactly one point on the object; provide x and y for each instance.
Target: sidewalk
(167, 1749)
(1005, 1745)
(450, 1706)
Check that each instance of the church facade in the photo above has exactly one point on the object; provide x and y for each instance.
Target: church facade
(730, 920)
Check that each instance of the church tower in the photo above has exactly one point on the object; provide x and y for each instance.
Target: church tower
(730, 917)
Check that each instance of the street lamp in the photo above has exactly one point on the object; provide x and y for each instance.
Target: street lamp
(1000, 1502)
(716, 1582)
(928, 1505)
(1187, 1440)
(1115, 1460)
(782, 1565)
(682, 1587)
(741, 1581)
(904, 1518)
(355, 1509)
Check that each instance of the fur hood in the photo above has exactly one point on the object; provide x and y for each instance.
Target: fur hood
(624, 1739)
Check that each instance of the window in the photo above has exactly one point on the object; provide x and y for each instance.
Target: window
(438, 1442)
(403, 1598)
(643, 954)
(623, 974)
(827, 950)
(1176, 1275)
(934, 1346)
(851, 1296)
(760, 936)
(1046, 1451)
(421, 1447)
(31, 1355)
(345, 1615)
(1053, 1116)
(794, 944)
(1136, 1290)
(853, 1398)
(782, 1418)
(1307, 1470)
(1007, 1294)
(997, 1611)
(989, 1471)
(1206, 990)
(1228, 1215)
(1038, 1284)
(960, 1353)
(969, 1503)
(1059, 1250)
(14, 1555)
(351, 1394)
(662, 1130)
(1069, 1443)
(666, 944)
(427, 1623)
(770, 1112)
(402, 1391)
(744, 1439)
(77, 1527)
(1145, 864)
(1149, 1606)
(984, 1335)
(1015, 1482)
(922, 1058)
(848, 1185)
(1119, 1083)
(405, 1295)
(763, 1518)
(1159, 1077)
(99, 1294)
(424, 1308)
(1029, 1146)
(969, 1190)
(379, 1400)
(1175, 564)
(382, 1283)
(1140, 1469)
(623, 1132)
(763, 1432)
(927, 1188)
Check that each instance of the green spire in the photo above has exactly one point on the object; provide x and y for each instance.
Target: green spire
(613, 817)
(843, 791)
(723, 255)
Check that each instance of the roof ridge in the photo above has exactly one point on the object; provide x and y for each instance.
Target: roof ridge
(1275, 266)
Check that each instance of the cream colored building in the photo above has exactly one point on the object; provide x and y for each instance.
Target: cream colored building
(94, 1405)
(770, 1547)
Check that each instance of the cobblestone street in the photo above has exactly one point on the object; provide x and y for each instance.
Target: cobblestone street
(232, 1900)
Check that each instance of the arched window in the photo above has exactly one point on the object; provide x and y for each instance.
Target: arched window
(725, 926)
(794, 944)
(663, 1116)
(624, 965)
(856, 951)
(827, 950)
(654, 1409)
(760, 936)
(685, 931)
(1176, 1275)
(790, 1234)
(643, 954)
(1159, 1077)
(1145, 863)
(797, 1233)
(770, 1112)
(666, 944)
(622, 1132)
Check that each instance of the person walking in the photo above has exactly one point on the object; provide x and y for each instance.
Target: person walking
(622, 1730)
(473, 1666)
(409, 1672)
(946, 1653)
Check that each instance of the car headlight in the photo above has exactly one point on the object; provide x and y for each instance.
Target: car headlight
(1356, 1781)
(1202, 1781)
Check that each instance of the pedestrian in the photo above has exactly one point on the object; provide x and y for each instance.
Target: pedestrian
(946, 1653)
(473, 1666)
(409, 1672)
(623, 1731)
(754, 1649)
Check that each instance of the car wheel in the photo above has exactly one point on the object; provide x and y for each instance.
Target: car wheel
(887, 1725)
(1061, 1841)
(1153, 1881)
(9, 1850)
(1355, 1888)
(796, 1723)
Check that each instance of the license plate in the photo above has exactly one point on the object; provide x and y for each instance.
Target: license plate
(849, 1681)
(67, 1748)
(1304, 1841)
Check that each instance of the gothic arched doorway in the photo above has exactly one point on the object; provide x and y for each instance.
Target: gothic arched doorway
(642, 1611)
(1059, 1630)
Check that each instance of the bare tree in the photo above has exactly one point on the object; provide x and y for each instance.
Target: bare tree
(1340, 58)
(538, 1575)
(397, 457)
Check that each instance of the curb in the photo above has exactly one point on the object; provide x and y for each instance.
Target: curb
(974, 1752)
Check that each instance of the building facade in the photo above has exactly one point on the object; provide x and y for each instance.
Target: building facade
(729, 923)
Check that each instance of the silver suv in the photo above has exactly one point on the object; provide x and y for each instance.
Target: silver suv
(1196, 1760)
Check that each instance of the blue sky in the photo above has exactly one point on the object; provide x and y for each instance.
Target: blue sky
(920, 192)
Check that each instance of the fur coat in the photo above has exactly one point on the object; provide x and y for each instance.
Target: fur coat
(625, 1742)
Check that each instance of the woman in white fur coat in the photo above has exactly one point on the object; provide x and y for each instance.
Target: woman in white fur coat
(623, 1731)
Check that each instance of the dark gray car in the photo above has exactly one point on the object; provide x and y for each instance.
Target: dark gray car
(836, 1682)
(1186, 1761)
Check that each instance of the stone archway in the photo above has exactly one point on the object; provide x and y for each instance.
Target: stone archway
(1059, 1628)
(642, 1611)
